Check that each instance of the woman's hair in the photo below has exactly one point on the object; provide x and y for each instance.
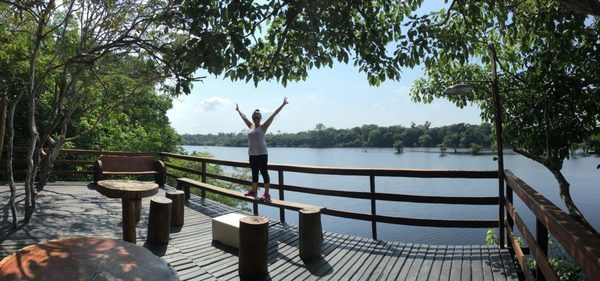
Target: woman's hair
(257, 112)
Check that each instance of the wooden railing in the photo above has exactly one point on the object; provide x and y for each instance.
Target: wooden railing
(79, 161)
(578, 242)
(372, 195)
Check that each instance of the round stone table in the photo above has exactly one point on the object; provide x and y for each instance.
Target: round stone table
(131, 192)
(85, 258)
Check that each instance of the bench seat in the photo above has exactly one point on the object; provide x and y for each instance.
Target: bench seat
(135, 165)
(185, 183)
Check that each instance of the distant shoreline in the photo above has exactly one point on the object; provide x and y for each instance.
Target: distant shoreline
(460, 151)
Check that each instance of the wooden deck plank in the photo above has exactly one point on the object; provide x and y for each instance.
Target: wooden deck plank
(399, 263)
(438, 261)
(340, 247)
(447, 263)
(191, 251)
(476, 263)
(331, 242)
(509, 270)
(376, 260)
(358, 263)
(345, 263)
(410, 259)
(465, 271)
(486, 264)
(382, 268)
(415, 268)
(496, 264)
(456, 267)
(427, 264)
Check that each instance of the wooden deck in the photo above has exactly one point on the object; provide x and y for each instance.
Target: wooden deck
(76, 209)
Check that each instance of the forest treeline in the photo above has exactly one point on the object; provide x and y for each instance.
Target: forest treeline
(452, 136)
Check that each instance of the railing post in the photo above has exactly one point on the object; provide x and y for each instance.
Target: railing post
(203, 171)
(373, 207)
(203, 191)
(501, 209)
(281, 195)
(541, 233)
(509, 198)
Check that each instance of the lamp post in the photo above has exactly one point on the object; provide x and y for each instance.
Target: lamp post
(467, 88)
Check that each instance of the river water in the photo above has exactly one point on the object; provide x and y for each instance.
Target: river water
(580, 171)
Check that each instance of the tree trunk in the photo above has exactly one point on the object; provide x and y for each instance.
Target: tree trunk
(3, 122)
(32, 152)
(47, 164)
(49, 159)
(564, 186)
(31, 158)
(9, 156)
(565, 195)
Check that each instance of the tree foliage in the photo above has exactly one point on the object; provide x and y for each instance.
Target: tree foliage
(72, 65)
(549, 61)
(364, 136)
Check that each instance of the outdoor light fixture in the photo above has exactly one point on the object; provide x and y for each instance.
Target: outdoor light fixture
(466, 88)
(459, 89)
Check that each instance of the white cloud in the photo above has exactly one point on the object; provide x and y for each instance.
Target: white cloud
(214, 103)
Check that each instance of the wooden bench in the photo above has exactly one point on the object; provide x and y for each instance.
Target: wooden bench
(310, 231)
(108, 165)
(185, 184)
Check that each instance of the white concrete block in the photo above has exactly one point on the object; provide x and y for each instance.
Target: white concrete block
(226, 229)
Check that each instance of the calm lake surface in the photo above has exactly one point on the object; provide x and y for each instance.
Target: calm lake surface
(580, 171)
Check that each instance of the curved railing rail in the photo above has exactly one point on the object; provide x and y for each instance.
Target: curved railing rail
(372, 195)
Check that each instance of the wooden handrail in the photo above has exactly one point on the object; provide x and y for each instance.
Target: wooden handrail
(582, 245)
(357, 194)
(379, 172)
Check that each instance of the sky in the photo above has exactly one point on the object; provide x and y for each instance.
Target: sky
(338, 97)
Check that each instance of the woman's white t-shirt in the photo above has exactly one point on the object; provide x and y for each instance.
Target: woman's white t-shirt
(257, 145)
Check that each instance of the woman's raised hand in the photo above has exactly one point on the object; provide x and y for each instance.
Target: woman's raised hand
(237, 108)
(285, 101)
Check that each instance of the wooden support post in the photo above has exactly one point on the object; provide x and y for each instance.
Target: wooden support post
(254, 239)
(128, 222)
(178, 198)
(138, 210)
(373, 207)
(255, 208)
(541, 233)
(509, 198)
(159, 221)
(203, 172)
(281, 196)
(185, 188)
(311, 234)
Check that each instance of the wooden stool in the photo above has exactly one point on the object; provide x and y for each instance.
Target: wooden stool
(178, 198)
(254, 239)
(159, 221)
(311, 234)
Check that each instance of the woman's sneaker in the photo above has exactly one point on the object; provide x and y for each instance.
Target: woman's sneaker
(250, 193)
(265, 197)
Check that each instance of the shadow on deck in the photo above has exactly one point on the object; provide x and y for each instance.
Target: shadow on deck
(75, 209)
